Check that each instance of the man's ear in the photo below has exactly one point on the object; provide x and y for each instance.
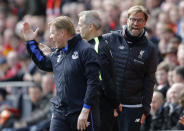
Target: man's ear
(62, 32)
(91, 26)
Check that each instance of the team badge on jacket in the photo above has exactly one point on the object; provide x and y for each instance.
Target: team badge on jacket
(121, 47)
(59, 58)
(75, 55)
(141, 54)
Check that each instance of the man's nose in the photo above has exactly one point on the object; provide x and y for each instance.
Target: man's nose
(136, 22)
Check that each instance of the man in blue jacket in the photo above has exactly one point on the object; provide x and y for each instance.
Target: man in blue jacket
(76, 74)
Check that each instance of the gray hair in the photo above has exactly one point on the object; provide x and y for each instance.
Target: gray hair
(91, 17)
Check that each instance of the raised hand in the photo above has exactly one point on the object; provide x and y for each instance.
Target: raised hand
(28, 33)
(45, 49)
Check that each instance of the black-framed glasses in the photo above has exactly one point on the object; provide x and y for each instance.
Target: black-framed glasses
(133, 20)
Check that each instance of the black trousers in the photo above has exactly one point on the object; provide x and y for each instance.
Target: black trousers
(60, 122)
(106, 115)
(130, 119)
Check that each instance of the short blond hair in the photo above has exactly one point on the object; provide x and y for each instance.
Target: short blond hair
(137, 9)
(63, 22)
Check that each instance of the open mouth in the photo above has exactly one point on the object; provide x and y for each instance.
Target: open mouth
(135, 29)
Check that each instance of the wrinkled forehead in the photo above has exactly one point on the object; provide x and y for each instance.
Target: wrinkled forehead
(137, 15)
(81, 20)
(53, 29)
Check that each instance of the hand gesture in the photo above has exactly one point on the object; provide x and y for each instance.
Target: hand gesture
(82, 122)
(28, 32)
(45, 49)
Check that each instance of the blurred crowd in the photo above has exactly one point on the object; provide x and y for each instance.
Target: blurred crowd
(28, 107)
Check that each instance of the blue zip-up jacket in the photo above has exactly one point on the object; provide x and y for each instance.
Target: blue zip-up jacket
(76, 69)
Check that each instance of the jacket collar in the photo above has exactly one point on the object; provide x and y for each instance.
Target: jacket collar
(132, 39)
(92, 41)
(71, 43)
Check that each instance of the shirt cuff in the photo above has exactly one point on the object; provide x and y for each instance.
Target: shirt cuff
(86, 106)
(30, 42)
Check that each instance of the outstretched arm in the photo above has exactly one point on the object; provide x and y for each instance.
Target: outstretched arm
(41, 60)
(30, 35)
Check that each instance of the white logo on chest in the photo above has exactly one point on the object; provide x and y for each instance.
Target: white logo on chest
(75, 55)
(59, 58)
(141, 54)
(137, 120)
(121, 47)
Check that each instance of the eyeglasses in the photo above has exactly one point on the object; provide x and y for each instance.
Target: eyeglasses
(133, 20)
